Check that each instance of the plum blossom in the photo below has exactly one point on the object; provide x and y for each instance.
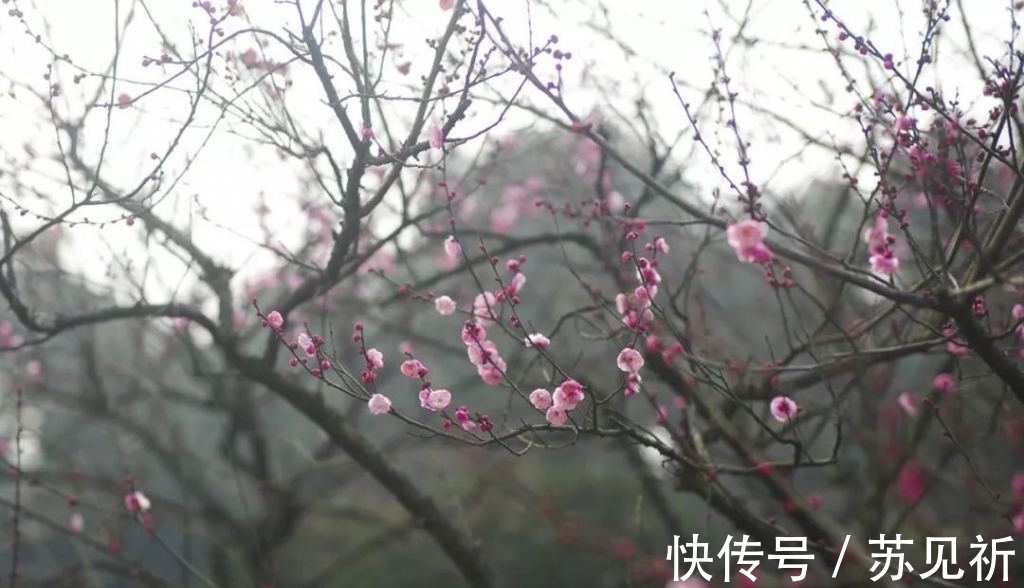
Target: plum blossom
(540, 399)
(518, 281)
(746, 237)
(484, 308)
(881, 257)
(436, 137)
(76, 522)
(34, 368)
(447, 4)
(482, 352)
(911, 482)
(537, 340)
(568, 395)
(435, 400)
(274, 320)
(633, 382)
(136, 501)
(884, 263)
(635, 310)
(306, 343)
(660, 245)
(374, 359)
(630, 360)
(452, 247)
(473, 332)
(783, 408)
(444, 305)
(944, 383)
(413, 368)
(1017, 484)
(556, 415)
(907, 403)
(379, 404)
(490, 374)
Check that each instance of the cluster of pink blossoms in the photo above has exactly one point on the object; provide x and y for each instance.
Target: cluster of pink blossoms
(559, 403)
(635, 310)
(483, 353)
(630, 361)
(438, 399)
(635, 307)
(432, 399)
(746, 237)
(881, 256)
(373, 357)
(485, 305)
(310, 345)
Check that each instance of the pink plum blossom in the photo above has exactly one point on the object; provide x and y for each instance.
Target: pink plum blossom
(1017, 484)
(881, 257)
(884, 263)
(911, 482)
(473, 332)
(630, 360)
(438, 400)
(136, 501)
(306, 344)
(484, 308)
(412, 368)
(518, 281)
(436, 136)
(444, 305)
(783, 408)
(374, 359)
(540, 399)
(944, 383)
(556, 415)
(537, 340)
(482, 352)
(568, 395)
(490, 374)
(907, 403)
(447, 4)
(633, 382)
(275, 320)
(877, 235)
(452, 247)
(379, 404)
(746, 237)
(76, 522)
